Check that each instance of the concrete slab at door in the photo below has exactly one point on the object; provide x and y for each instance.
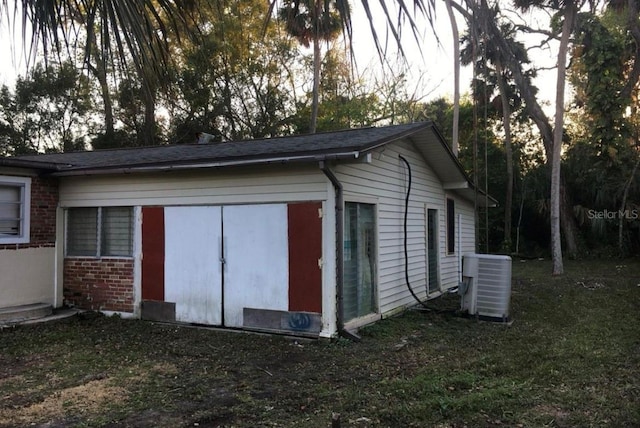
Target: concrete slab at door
(257, 260)
(193, 275)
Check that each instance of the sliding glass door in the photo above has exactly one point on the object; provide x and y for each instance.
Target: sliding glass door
(359, 288)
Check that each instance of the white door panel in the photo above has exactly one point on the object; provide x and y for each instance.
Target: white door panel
(193, 276)
(257, 259)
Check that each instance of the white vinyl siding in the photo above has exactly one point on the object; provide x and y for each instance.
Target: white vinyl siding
(15, 199)
(100, 232)
(277, 183)
(385, 179)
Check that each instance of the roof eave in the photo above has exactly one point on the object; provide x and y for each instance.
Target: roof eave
(350, 155)
(30, 164)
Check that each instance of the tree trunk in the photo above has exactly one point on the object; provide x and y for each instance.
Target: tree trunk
(100, 74)
(556, 240)
(456, 78)
(532, 107)
(316, 85)
(506, 123)
(623, 206)
(99, 71)
(149, 125)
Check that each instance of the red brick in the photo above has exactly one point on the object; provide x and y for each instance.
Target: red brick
(93, 284)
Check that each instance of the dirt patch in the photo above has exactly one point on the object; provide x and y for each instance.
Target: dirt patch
(87, 398)
(559, 415)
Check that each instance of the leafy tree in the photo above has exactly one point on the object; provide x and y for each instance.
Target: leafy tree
(605, 158)
(495, 78)
(49, 110)
(235, 83)
(310, 22)
(345, 101)
(561, 213)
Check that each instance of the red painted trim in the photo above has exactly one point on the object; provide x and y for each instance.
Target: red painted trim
(305, 249)
(153, 253)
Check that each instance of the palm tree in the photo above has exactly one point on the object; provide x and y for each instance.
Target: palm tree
(568, 10)
(456, 76)
(311, 21)
(506, 99)
(143, 29)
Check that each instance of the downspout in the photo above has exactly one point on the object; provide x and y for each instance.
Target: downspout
(339, 251)
(459, 230)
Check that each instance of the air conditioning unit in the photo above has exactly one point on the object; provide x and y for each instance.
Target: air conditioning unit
(486, 286)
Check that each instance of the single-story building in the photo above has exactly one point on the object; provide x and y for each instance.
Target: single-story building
(316, 234)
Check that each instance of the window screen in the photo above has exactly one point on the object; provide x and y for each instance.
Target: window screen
(98, 232)
(82, 228)
(116, 231)
(10, 210)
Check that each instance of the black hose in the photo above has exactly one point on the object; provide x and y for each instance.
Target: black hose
(406, 249)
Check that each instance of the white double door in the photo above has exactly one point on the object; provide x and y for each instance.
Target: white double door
(221, 259)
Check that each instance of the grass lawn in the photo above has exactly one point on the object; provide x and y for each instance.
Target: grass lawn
(571, 358)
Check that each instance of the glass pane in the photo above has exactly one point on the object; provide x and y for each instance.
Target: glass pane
(432, 248)
(451, 227)
(82, 231)
(10, 203)
(359, 294)
(117, 236)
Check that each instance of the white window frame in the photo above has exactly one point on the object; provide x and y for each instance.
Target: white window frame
(24, 184)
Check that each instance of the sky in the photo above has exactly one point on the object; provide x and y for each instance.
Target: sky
(430, 68)
(431, 63)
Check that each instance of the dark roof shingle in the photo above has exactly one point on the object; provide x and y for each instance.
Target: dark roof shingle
(320, 144)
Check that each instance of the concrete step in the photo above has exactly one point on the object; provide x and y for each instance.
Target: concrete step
(18, 314)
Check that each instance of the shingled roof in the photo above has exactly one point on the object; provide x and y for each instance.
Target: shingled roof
(346, 145)
(312, 147)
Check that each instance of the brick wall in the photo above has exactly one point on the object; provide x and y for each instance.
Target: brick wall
(44, 201)
(99, 284)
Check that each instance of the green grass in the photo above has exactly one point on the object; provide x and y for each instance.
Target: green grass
(571, 358)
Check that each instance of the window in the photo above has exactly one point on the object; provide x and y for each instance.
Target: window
(15, 207)
(451, 226)
(359, 291)
(100, 232)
